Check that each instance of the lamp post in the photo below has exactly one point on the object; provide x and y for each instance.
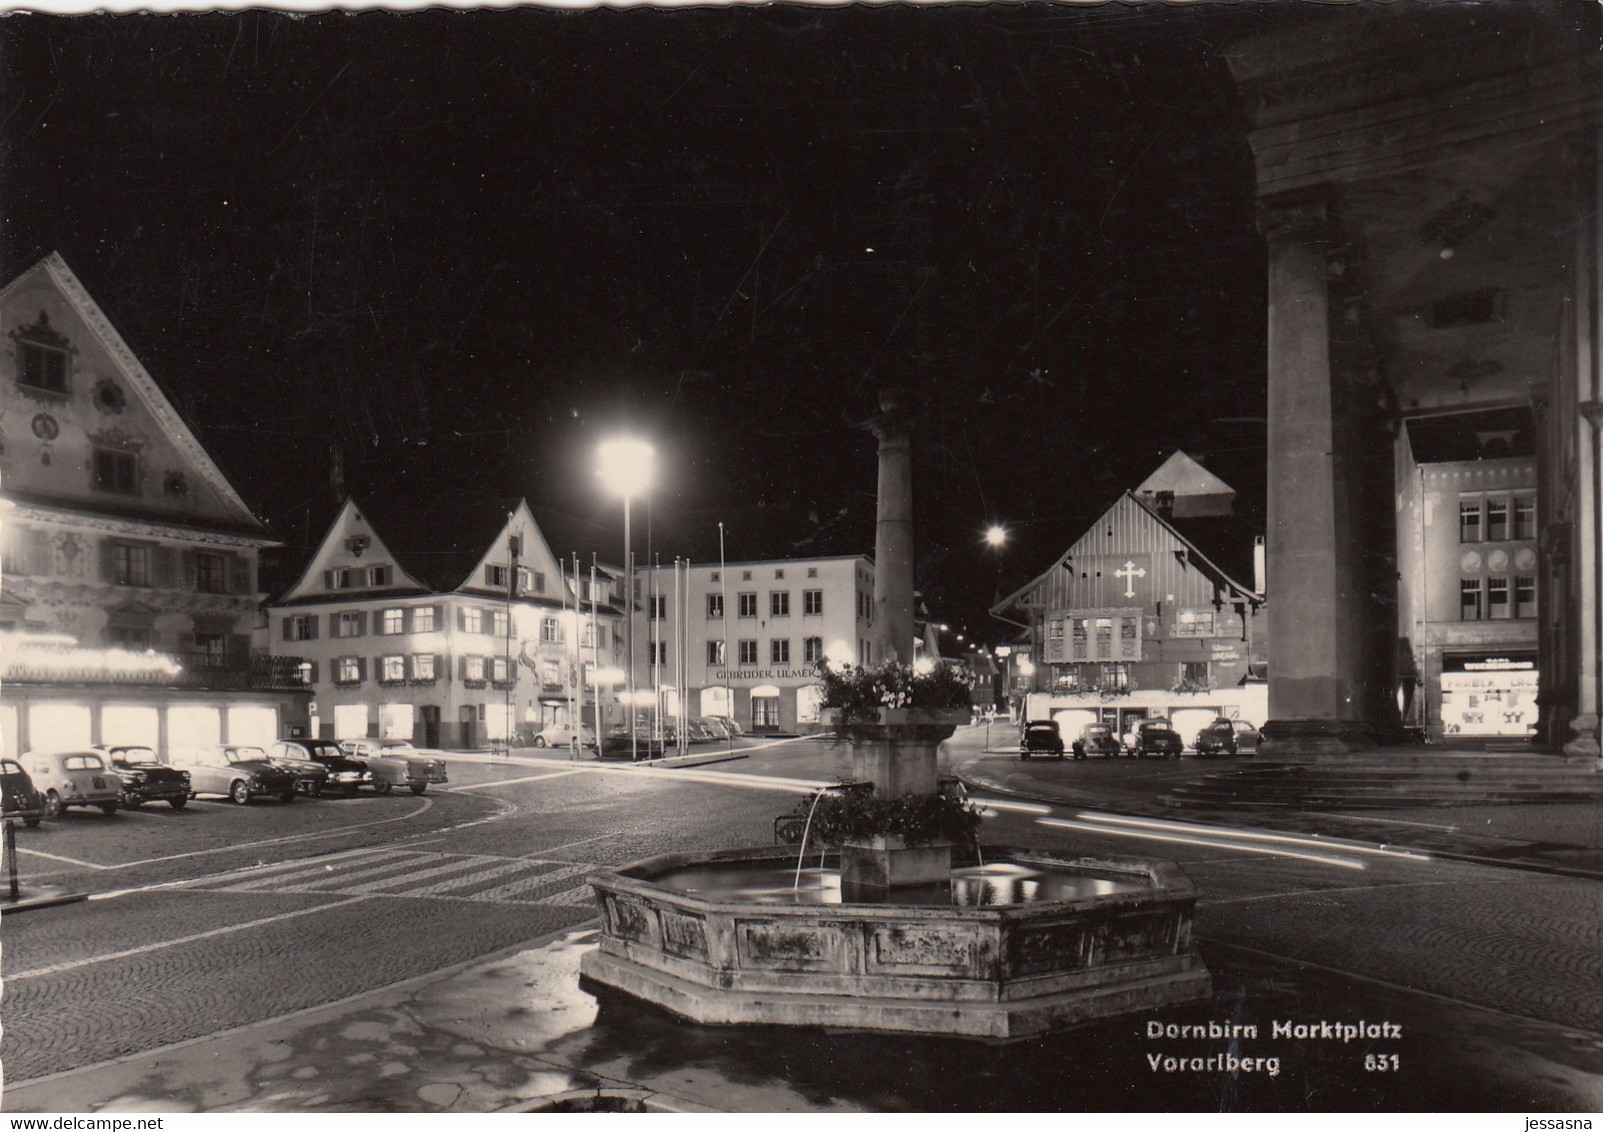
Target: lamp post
(625, 466)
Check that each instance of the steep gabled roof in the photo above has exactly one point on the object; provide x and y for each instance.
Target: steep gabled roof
(1183, 476)
(439, 539)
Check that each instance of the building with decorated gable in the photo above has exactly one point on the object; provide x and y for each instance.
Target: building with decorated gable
(449, 622)
(128, 576)
(1146, 614)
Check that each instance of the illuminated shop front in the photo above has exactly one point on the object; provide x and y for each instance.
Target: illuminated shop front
(1489, 694)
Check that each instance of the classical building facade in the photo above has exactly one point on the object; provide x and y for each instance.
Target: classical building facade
(128, 587)
(449, 622)
(1468, 583)
(1136, 619)
(1429, 183)
(743, 639)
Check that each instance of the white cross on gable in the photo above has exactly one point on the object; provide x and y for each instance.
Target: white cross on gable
(1130, 572)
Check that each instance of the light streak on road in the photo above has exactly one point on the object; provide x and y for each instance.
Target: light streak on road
(1204, 842)
(1312, 840)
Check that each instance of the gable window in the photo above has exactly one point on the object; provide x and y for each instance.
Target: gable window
(779, 603)
(715, 607)
(378, 575)
(350, 625)
(495, 577)
(779, 651)
(116, 471)
(423, 619)
(747, 605)
(42, 356)
(748, 652)
(715, 652)
(394, 622)
(812, 602)
(473, 619)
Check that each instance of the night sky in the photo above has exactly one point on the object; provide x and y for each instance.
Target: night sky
(462, 247)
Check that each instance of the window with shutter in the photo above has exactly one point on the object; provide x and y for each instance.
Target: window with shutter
(238, 574)
(166, 567)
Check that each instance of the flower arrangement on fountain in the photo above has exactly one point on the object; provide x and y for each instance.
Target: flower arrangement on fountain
(844, 816)
(928, 691)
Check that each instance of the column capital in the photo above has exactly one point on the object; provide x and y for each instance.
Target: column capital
(1294, 216)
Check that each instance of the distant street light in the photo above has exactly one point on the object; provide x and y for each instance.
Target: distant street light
(626, 466)
(996, 535)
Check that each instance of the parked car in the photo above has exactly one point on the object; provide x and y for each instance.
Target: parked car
(145, 778)
(1217, 738)
(729, 724)
(561, 735)
(717, 727)
(396, 766)
(18, 796)
(1153, 737)
(236, 773)
(1097, 739)
(345, 774)
(73, 778)
(1247, 737)
(698, 732)
(310, 775)
(1041, 737)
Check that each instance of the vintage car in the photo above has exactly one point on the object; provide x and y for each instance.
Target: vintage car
(1247, 737)
(145, 778)
(73, 778)
(1097, 739)
(20, 798)
(1217, 738)
(236, 773)
(1040, 737)
(561, 735)
(396, 763)
(1153, 737)
(344, 774)
(310, 775)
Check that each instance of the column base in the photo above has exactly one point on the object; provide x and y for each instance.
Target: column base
(1315, 737)
(1584, 743)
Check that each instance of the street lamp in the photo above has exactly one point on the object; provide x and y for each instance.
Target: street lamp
(625, 465)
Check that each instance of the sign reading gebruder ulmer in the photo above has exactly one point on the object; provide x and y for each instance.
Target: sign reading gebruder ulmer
(724, 676)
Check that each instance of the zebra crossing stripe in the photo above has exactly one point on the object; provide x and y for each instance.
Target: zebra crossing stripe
(573, 897)
(469, 864)
(312, 873)
(251, 873)
(455, 883)
(529, 884)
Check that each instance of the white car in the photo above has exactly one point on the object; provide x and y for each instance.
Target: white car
(561, 735)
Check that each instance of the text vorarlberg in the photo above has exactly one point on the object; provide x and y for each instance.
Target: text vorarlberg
(1234, 1060)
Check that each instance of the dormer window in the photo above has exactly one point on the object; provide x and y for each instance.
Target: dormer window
(43, 357)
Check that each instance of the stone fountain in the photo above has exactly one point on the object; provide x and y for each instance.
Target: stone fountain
(887, 936)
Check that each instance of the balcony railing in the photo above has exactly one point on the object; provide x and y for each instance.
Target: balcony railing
(121, 668)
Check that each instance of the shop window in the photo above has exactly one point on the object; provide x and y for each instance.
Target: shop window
(779, 651)
(1496, 520)
(746, 605)
(1524, 518)
(1469, 599)
(748, 652)
(1469, 520)
(135, 638)
(1525, 595)
(1497, 607)
(116, 471)
(715, 607)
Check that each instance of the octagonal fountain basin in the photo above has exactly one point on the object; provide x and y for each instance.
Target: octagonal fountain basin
(1023, 945)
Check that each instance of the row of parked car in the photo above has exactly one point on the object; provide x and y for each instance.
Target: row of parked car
(661, 733)
(109, 778)
(1155, 737)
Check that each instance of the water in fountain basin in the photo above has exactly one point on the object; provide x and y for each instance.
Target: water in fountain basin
(997, 883)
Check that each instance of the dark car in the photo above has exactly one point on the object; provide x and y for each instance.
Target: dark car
(310, 775)
(236, 773)
(1097, 739)
(1247, 737)
(21, 800)
(1217, 738)
(345, 774)
(1155, 737)
(1041, 737)
(145, 778)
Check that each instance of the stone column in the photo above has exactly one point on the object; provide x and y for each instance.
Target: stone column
(893, 533)
(1311, 701)
(1587, 557)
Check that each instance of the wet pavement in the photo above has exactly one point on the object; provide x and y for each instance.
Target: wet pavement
(517, 1033)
